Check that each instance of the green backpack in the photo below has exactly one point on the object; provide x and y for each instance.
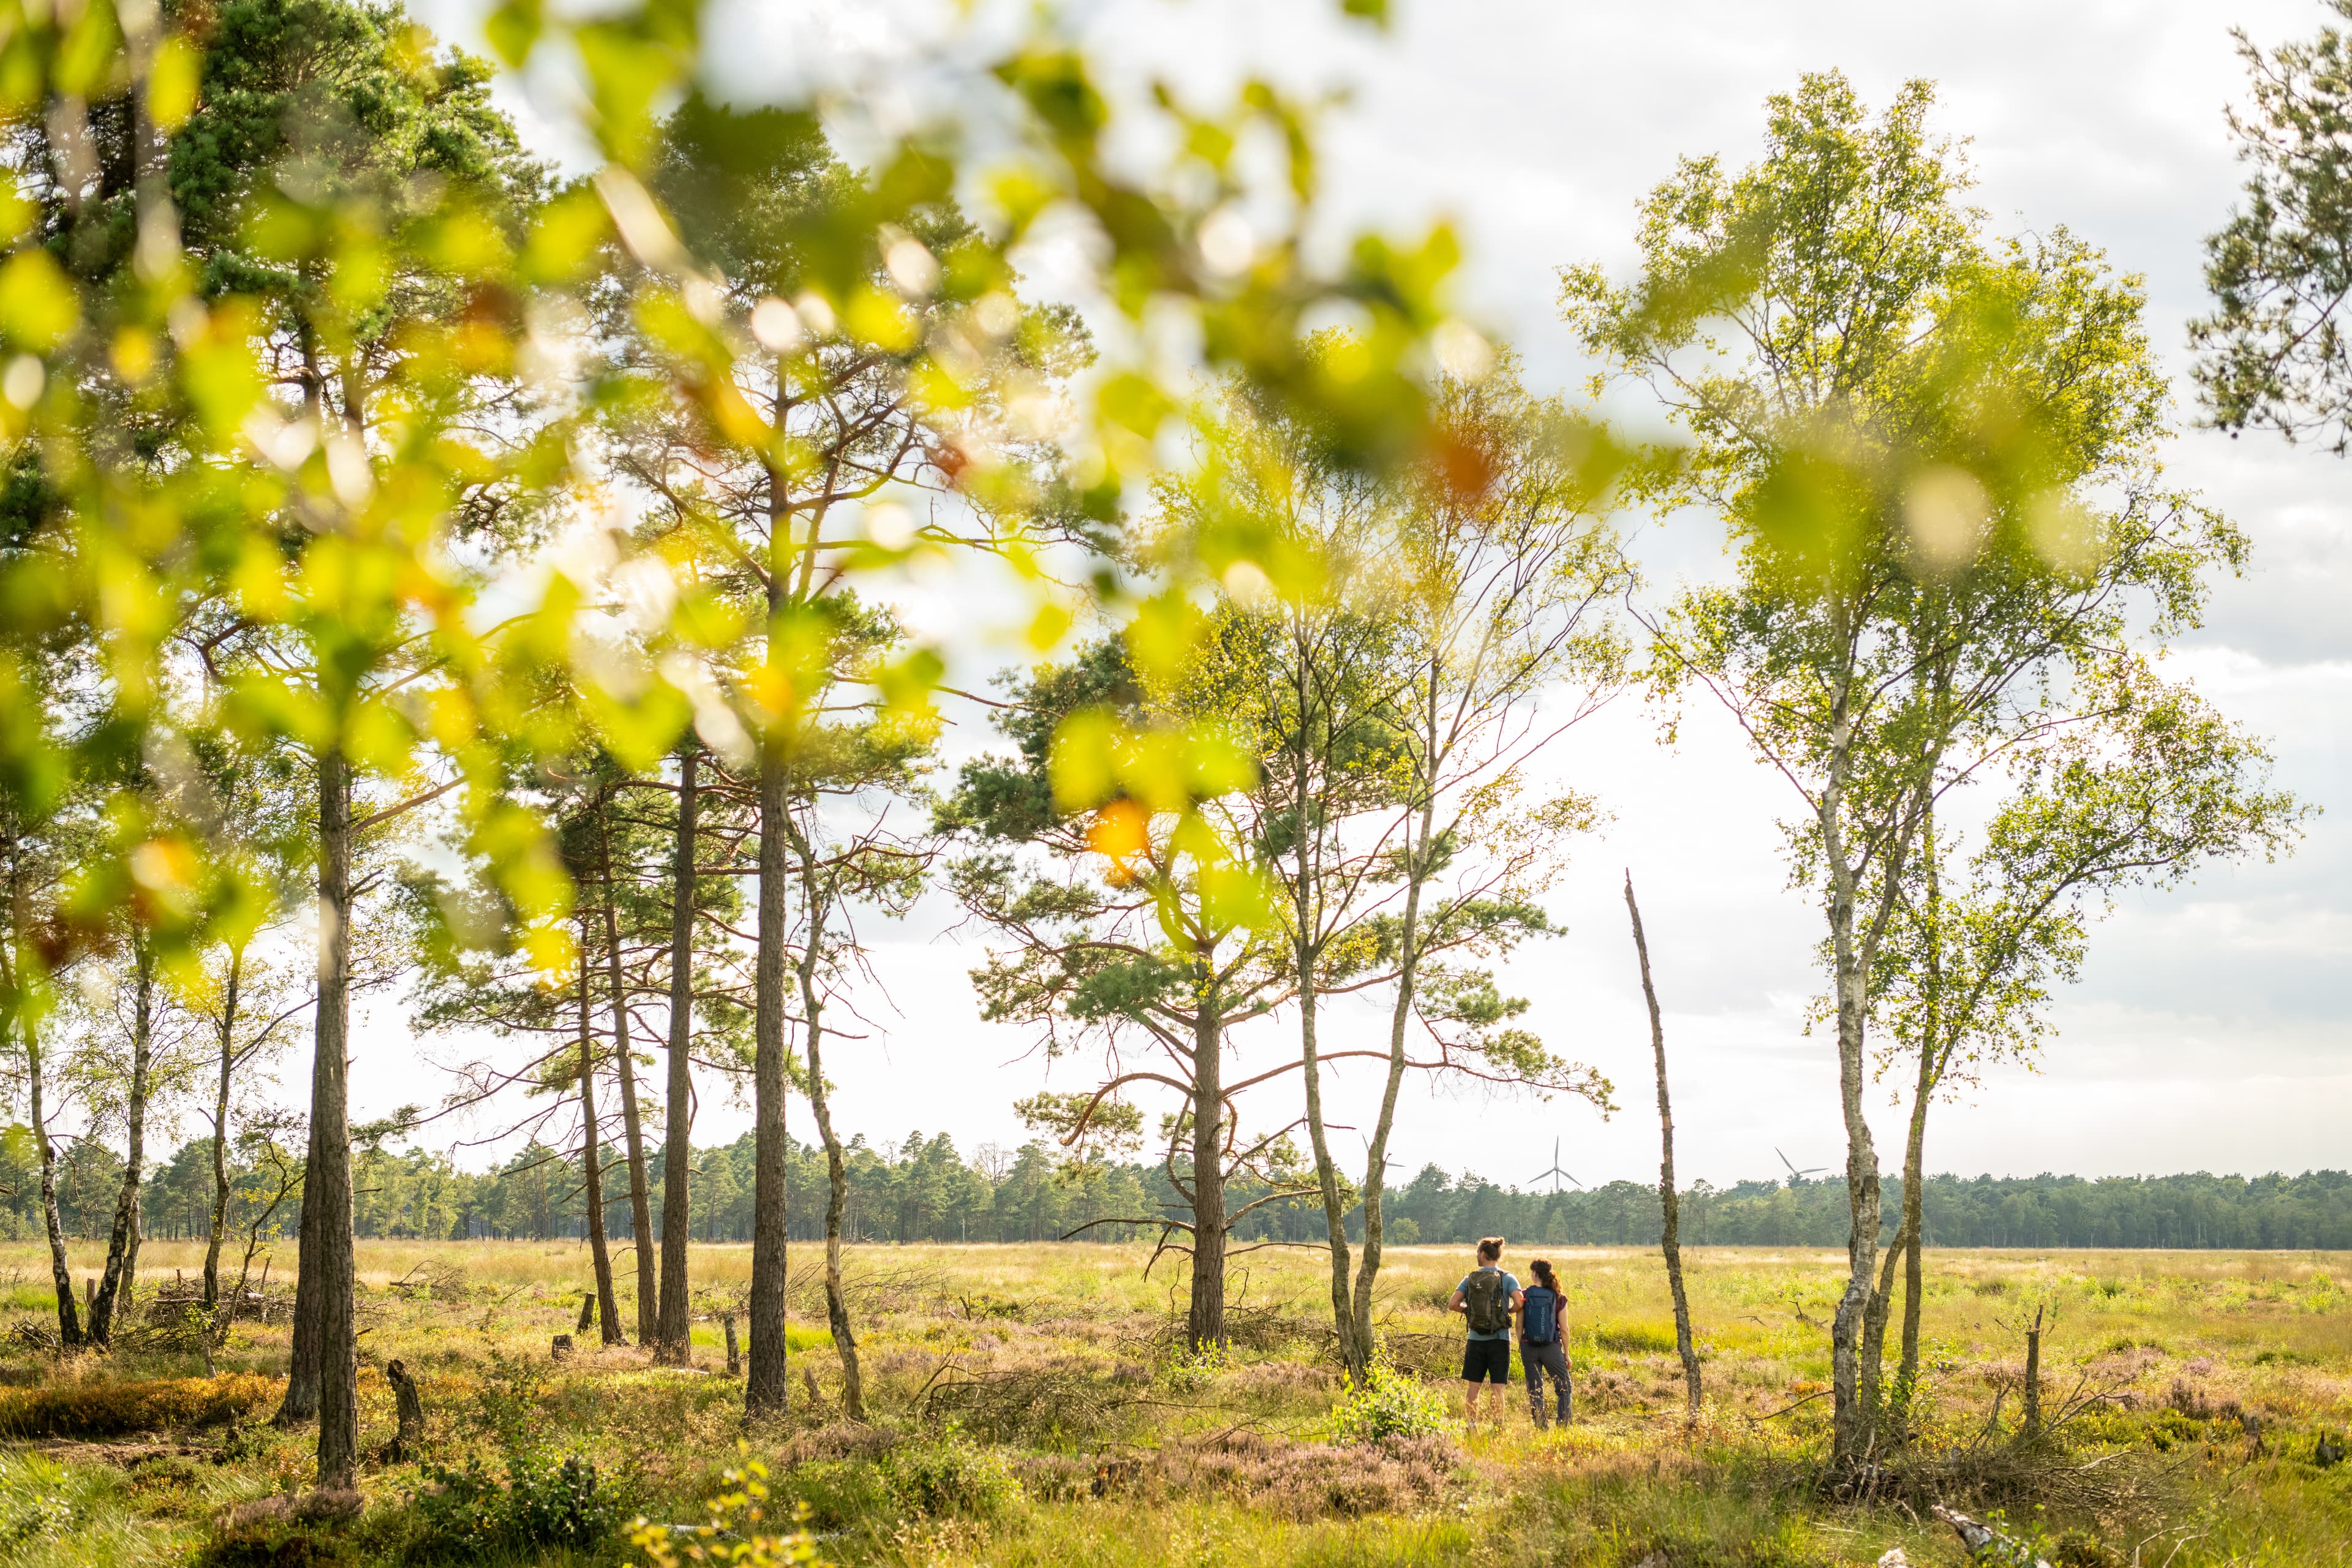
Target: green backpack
(1486, 1303)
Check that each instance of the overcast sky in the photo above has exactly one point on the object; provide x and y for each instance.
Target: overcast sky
(2213, 1028)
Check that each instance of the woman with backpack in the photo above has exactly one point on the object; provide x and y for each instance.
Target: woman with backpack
(1489, 1298)
(1543, 1341)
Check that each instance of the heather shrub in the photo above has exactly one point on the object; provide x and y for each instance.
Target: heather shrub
(1690, 1517)
(1395, 1474)
(1387, 1404)
(1635, 1339)
(97, 1407)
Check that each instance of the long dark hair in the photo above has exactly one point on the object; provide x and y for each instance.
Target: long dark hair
(1543, 1276)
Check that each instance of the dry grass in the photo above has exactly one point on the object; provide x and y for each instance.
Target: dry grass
(1060, 1359)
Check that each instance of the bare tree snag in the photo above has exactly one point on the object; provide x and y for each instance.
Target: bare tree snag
(2033, 1378)
(1668, 1202)
(122, 1240)
(70, 1322)
(817, 896)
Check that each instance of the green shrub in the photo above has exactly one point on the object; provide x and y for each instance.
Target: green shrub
(1189, 1372)
(283, 1532)
(951, 1474)
(108, 1408)
(536, 1499)
(35, 1516)
(1388, 1404)
(541, 1502)
(839, 1494)
(2082, 1548)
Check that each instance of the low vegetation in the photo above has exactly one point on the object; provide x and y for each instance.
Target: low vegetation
(1036, 1404)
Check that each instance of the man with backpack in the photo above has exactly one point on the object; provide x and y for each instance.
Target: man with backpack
(1489, 1298)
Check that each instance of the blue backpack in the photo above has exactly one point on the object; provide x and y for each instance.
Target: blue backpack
(1539, 1317)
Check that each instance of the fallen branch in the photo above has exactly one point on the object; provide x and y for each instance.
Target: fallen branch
(1984, 1543)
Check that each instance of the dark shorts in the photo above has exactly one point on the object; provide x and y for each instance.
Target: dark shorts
(1486, 1361)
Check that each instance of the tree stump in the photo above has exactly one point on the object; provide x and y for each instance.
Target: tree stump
(560, 1347)
(734, 1356)
(587, 1314)
(410, 1438)
(2033, 1378)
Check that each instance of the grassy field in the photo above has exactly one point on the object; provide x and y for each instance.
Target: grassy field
(1032, 1405)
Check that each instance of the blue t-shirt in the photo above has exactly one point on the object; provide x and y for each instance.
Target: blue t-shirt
(1510, 1288)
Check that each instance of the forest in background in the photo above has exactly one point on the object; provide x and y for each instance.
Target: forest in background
(922, 1189)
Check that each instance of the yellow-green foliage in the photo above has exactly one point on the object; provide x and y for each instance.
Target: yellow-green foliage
(104, 1407)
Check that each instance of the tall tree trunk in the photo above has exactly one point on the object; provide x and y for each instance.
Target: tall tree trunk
(324, 1377)
(1907, 1373)
(1854, 1385)
(674, 1347)
(1669, 1202)
(765, 1392)
(592, 1160)
(1934, 1057)
(640, 1211)
(122, 1242)
(1355, 1356)
(231, 985)
(1906, 1233)
(1205, 1323)
(69, 1328)
(1376, 1157)
(818, 899)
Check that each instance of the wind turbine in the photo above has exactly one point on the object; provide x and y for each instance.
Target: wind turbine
(1385, 1161)
(1796, 1176)
(1556, 1172)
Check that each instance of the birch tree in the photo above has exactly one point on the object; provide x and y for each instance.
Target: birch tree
(2153, 788)
(1491, 554)
(1934, 454)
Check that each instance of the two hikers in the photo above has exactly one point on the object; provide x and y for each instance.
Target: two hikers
(1489, 1298)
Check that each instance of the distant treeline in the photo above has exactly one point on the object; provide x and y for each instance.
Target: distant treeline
(922, 1189)
(2313, 1210)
